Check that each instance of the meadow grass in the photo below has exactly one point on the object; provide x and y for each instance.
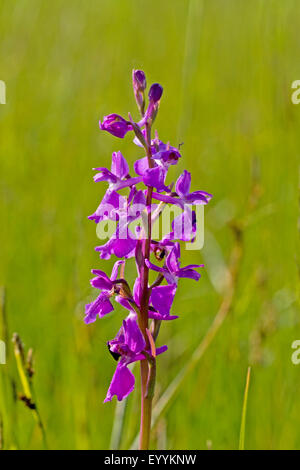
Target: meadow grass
(227, 68)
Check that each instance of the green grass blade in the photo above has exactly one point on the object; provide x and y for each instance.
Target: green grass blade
(244, 412)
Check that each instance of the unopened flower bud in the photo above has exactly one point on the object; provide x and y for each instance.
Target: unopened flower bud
(139, 85)
(139, 80)
(115, 125)
(155, 92)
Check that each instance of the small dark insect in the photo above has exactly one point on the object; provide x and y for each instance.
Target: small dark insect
(115, 355)
(159, 254)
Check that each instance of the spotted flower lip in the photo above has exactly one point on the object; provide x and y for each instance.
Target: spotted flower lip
(115, 125)
(101, 305)
(128, 346)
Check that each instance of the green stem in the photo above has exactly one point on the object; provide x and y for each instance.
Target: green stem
(27, 388)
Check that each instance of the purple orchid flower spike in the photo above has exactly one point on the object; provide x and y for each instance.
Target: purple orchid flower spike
(102, 305)
(115, 125)
(128, 347)
(172, 270)
(133, 236)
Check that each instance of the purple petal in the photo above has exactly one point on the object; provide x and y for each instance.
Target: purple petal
(106, 250)
(119, 166)
(141, 165)
(172, 261)
(197, 197)
(159, 316)
(124, 247)
(101, 306)
(162, 298)
(154, 267)
(139, 80)
(124, 302)
(183, 184)
(168, 199)
(192, 266)
(168, 157)
(104, 175)
(137, 207)
(139, 198)
(137, 290)
(115, 269)
(100, 282)
(184, 226)
(108, 206)
(122, 244)
(189, 274)
(139, 258)
(127, 183)
(122, 383)
(133, 335)
(161, 350)
(115, 125)
(155, 92)
(155, 177)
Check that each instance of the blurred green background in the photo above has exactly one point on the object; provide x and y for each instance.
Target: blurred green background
(226, 67)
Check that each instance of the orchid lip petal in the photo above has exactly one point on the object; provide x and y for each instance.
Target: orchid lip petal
(122, 383)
